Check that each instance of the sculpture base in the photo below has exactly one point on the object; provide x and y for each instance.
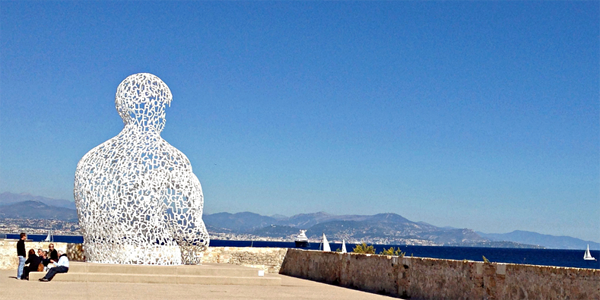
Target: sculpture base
(208, 274)
(133, 254)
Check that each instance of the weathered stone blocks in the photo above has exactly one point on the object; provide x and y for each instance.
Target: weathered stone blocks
(407, 277)
(428, 278)
(268, 259)
(8, 251)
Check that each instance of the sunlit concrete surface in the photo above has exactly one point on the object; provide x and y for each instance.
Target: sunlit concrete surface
(290, 288)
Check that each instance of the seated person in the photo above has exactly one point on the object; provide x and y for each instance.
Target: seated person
(33, 261)
(43, 255)
(62, 266)
(53, 254)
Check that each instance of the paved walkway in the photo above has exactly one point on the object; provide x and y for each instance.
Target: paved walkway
(291, 288)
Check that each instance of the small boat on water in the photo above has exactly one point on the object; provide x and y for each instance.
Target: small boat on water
(49, 237)
(588, 255)
(344, 246)
(301, 240)
(326, 246)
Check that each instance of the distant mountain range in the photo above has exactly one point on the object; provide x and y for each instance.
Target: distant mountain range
(386, 228)
(9, 198)
(37, 210)
(382, 229)
(548, 241)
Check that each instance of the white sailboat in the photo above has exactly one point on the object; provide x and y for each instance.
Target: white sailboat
(588, 255)
(344, 246)
(48, 237)
(326, 246)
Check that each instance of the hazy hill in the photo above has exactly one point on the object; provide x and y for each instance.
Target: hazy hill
(385, 228)
(239, 222)
(37, 210)
(10, 198)
(308, 220)
(379, 228)
(278, 216)
(545, 240)
(276, 231)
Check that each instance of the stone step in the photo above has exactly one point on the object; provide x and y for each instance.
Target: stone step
(159, 278)
(200, 270)
(207, 274)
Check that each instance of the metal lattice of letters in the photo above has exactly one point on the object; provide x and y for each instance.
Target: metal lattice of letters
(137, 199)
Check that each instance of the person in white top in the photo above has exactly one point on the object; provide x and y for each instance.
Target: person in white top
(62, 266)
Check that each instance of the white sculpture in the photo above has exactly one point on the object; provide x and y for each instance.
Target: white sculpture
(137, 199)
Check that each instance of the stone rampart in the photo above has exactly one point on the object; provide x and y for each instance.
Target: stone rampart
(406, 277)
(268, 259)
(8, 251)
(427, 278)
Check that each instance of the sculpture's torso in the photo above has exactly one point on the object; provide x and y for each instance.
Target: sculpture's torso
(139, 202)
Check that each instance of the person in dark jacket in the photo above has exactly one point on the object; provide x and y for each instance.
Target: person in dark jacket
(21, 253)
(33, 261)
(43, 257)
(53, 253)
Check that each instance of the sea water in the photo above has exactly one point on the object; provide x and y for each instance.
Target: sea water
(544, 257)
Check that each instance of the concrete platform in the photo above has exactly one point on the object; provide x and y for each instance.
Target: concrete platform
(290, 288)
(207, 274)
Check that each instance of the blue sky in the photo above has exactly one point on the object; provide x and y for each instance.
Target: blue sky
(482, 115)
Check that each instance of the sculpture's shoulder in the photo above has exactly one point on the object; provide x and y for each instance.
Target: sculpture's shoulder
(99, 153)
(173, 155)
(133, 153)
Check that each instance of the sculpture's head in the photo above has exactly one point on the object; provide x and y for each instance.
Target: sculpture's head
(141, 100)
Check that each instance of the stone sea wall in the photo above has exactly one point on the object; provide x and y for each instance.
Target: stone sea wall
(268, 259)
(406, 277)
(426, 278)
(8, 251)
